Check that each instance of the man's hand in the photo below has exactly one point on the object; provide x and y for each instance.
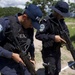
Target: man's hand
(33, 61)
(59, 39)
(17, 58)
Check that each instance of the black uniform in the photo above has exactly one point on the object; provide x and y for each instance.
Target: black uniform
(50, 49)
(31, 50)
(9, 25)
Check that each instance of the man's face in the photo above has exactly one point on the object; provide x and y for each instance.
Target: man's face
(58, 16)
(27, 23)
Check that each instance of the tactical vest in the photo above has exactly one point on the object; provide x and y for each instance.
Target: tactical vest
(16, 36)
(53, 28)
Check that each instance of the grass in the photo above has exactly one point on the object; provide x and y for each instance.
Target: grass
(65, 58)
(70, 20)
(72, 33)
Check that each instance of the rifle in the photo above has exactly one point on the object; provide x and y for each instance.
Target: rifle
(24, 56)
(68, 43)
(65, 36)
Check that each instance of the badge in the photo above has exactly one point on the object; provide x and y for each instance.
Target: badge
(1, 28)
(42, 27)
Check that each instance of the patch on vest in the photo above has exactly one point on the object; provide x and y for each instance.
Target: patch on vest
(1, 28)
(42, 27)
(22, 36)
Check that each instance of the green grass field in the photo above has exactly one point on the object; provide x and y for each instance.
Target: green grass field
(70, 20)
(72, 33)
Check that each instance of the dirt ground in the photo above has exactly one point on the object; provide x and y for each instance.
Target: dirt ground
(66, 59)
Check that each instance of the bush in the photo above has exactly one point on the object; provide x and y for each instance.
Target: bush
(9, 11)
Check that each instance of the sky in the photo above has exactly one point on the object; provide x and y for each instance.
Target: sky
(17, 3)
(13, 3)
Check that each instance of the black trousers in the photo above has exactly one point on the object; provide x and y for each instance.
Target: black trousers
(54, 64)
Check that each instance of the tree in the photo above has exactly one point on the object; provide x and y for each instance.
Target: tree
(9, 11)
(44, 4)
(72, 7)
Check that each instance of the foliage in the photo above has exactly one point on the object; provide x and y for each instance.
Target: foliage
(9, 11)
(72, 20)
(46, 4)
(72, 7)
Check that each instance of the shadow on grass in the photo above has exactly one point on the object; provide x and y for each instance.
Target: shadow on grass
(40, 71)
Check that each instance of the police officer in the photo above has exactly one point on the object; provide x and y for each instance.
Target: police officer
(49, 34)
(19, 27)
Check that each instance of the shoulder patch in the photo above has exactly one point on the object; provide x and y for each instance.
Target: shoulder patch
(42, 27)
(1, 28)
